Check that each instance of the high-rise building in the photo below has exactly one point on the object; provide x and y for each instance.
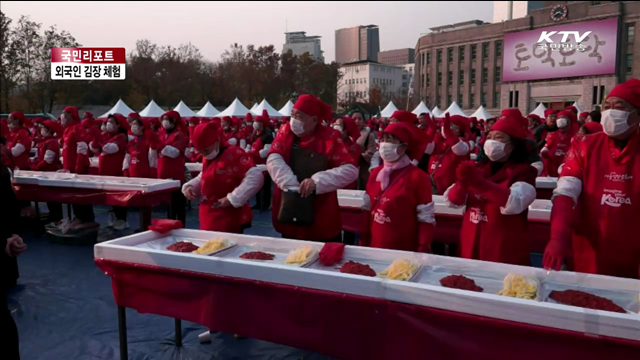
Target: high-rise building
(358, 78)
(508, 10)
(358, 43)
(397, 57)
(299, 43)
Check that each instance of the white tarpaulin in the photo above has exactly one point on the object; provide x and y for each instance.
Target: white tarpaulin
(208, 110)
(578, 107)
(388, 110)
(421, 108)
(539, 110)
(235, 109)
(152, 110)
(255, 105)
(264, 105)
(119, 108)
(286, 109)
(454, 109)
(481, 113)
(436, 112)
(184, 110)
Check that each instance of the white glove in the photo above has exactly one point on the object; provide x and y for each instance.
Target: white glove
(82, 148)
(248, 148)
(94, 148)
(153, 158)
(110, 148)
(187, 151)
(17, 150)
(126, 162)
(49, 156)
(263, 153)
(170, 151)
(243, 143)
(131, 137)
(232, 141)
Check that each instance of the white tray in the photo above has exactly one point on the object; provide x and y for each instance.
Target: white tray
(163, 243)
(351, 198)
(546, 182)
(280, 253)
(194, 167)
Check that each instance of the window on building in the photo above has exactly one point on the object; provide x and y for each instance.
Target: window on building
(483, 99)
(485, 50)
(438, 57)
(461, 53)
(510, 98)
(450, 55)
(594, 97)
(472, 101)
(631, 33)
(496, 99)
(498, 74)
(473, 52)
(629, 63)
(424, 81)
(460, 100)
(439, 80)
(428, 58)
(461, 77)
(428, 80)
(450, 78)
(485, 75)
(514, 98)
(449, 99)
(473, 76)
(601, 99)
(423, 61)
(498, 48)
(517, 100)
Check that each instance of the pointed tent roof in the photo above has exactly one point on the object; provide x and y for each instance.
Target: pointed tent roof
(286, 109)
(255, 105)
(578, 107)
(264, 105)
(119, 108)
(539, 110)
(208, 110)
(184, 110)
(454, 109)
(388, 110)
(152, 110)
(235, 109)
(421, 108)
(436, 112)
(481, 113)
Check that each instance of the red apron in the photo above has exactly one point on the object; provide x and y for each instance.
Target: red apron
(20, 136)
(442, 165)
(47, 144)
(172, 168)
(70, 138)
(111, 164)
(138, 150)
(558, 144)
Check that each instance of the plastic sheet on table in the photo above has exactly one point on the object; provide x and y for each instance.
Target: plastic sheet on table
(163, 243)
(279, 252)
(628, 300)
(490, 282)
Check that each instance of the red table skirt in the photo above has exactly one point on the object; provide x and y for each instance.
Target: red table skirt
(92, 196)
(448, 228)
(544, 194)
(342, 325)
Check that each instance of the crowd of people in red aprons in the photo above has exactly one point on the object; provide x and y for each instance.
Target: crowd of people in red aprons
(400, 162)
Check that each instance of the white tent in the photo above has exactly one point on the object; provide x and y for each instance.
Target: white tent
(264, 105)
(208, 110)
(578, 107)
(255, 105)
(388, 110)
(235, 109)
(152, 110)
(421, 108)
(454, 109)
(184, 110)
(539, 110)
(481, 113)
(286, 109)
(119, 108)
(436, 112)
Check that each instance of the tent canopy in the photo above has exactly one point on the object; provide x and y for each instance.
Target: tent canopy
(255, 105)
(454, 109)
(264, 105)
(388, 110)
(119, 108)
(235, 109)
(539, 110)
(481, 114)
(436, 112)
(286, 109)
(184, 110)
(152, 110)
(421, 108)
(208, 110)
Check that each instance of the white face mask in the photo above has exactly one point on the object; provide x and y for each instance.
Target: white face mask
(135, 129)
(212, 155)
(297, 126)
(12, 127)
(44, 132)
(614, 122)
(166, 124)
(64, 119)
(111, 128)
(562, 122)
(256, 125)
(389, 151)
(495, 150)
(103, 128)
(338, 127)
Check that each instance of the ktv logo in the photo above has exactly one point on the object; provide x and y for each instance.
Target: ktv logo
(545, 41)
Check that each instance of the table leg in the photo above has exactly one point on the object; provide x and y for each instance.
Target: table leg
(69, 212)
(178, 324)
(122, 330)
(145, 217)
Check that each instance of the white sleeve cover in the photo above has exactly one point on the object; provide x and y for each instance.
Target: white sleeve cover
(427, 213)
(569, 186)
(539, 166)
(153, 158)
(170, 151)
(49, 156)
(375, 161)
(82, 148)
(243, 143)
(17, 150)
(232, 141)
(280, 172)
(522, 195)
(447, 202)
(430, 147)
(194, 183)
(187, 151)
(126, 162)
(461, 148)
(250, 185)
(110, 148)
(333, 179)
(366, 206)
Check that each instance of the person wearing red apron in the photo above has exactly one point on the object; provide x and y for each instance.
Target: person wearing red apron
(189, 151)
(88, 134)
(497, 193)
(48, 159)
(171, 161)
(229, 136)
(558, 143)
(154, 135)
(260, 141)
(227, 181)
(304, 131)
(111, 160)
(402, 213)
(597, 198)
(19, 140)
(142, 154)
(451, 148)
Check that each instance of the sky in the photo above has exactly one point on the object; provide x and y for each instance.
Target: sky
(214, 26)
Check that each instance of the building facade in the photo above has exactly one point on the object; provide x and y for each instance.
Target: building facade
(358, 78)
(465, 62)
(359, 43)
(397, 57)
(509, 10)
(299, 43)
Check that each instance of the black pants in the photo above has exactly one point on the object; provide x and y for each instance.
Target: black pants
(348, 238)
(120, 212)
(178, 209)
(9, 339)
(84, 213)
(423, 164)
(263, 197)
(55, 212)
